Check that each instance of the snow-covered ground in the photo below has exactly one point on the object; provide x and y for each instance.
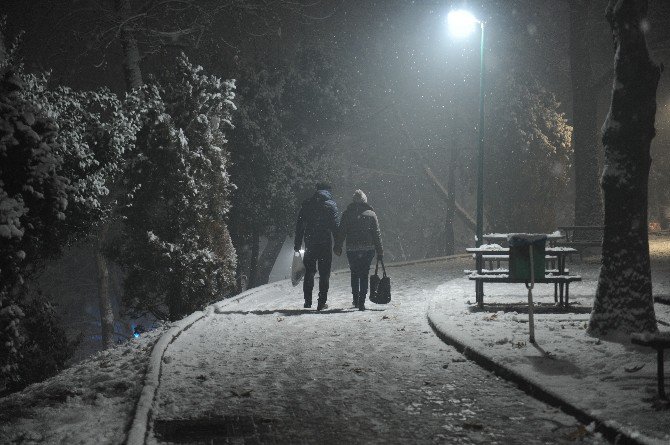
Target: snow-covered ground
(92, 402)
(614, 381)
(264, 368)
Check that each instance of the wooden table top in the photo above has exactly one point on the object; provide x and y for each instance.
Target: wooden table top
(494, 249)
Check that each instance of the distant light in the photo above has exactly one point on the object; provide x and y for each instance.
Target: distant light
(461, 23)
(138, 330)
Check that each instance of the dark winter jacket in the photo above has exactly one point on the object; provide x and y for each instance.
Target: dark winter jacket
(317, 220)
(360, 228)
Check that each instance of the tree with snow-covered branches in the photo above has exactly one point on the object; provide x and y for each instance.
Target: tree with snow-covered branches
(59, 150)
(280, 147)
(528, 157)
(174, 242)
(97, 131)
(33, 199)
(624, 301)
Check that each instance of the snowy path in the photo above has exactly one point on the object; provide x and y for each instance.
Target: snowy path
(264, 370)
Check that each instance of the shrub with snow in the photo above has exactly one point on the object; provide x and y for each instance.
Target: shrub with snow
(174, 243)
(33, 199)
(59, 150)
(528, 145)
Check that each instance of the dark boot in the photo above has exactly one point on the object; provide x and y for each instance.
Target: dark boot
(355, 300)
(322, 301)
(361, 303)
(308, 301)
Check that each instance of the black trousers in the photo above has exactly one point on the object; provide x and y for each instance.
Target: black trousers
(318, 255)
(359, 263)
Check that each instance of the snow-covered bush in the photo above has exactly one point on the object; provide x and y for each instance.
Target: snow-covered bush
(174, 242)
(33, 199)
(59, 150)
(97, 131)
(45, 349)
(528, 148)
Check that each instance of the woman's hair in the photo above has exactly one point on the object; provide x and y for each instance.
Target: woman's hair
(359, 196)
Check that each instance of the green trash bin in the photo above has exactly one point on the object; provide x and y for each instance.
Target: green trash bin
(519, 258)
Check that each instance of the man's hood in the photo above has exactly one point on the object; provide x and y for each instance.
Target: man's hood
(323, 195)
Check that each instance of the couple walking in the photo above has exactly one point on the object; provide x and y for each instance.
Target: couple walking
(319, 224)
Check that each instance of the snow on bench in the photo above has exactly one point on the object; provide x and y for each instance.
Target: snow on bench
(560, 281)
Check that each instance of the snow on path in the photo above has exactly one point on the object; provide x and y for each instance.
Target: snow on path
(264, 369)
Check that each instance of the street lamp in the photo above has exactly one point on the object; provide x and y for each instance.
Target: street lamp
(462, 23)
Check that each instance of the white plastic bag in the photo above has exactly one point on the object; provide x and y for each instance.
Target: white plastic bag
(297, 268)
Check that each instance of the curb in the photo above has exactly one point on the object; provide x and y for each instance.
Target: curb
(609, 430)
(137, 434)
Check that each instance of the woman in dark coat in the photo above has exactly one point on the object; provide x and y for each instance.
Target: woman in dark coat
(360, 228)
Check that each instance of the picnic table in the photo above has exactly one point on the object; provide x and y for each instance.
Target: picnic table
(501, 238)
(559, 276)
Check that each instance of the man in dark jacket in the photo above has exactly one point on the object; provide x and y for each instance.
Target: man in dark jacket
(360, 228)
(317, 224)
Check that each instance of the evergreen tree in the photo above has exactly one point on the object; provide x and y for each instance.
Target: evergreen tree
(528, 157)
(33, 199)
(174, 243)
(44, 349)
(58, 150)
(288, 114)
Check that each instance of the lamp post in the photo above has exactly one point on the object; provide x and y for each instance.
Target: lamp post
(462, 23)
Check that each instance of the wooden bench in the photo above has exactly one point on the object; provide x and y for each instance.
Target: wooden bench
(658, 341)
(490, 259)
(502, 271)
(577, 236)
(561, 283)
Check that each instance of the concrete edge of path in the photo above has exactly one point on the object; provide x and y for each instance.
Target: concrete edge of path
(613, 432)
(137, 434)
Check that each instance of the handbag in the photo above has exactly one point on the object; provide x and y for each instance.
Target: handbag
(297, 268)
(380, 288)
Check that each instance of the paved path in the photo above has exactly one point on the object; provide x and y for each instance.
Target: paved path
(264, 370)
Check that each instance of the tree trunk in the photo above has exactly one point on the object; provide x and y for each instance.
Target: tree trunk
(241, 245)
(588, 202)
(131, 53)
(242, 273)
(444, 194)
(104, 301)
(133, 78)
(659, 202)
(268, 258)
(624, 301)
(253, 260)
(3, 48)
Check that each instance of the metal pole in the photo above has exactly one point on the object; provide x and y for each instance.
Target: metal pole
(531, 318)
(661, 376)
(480, 149)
